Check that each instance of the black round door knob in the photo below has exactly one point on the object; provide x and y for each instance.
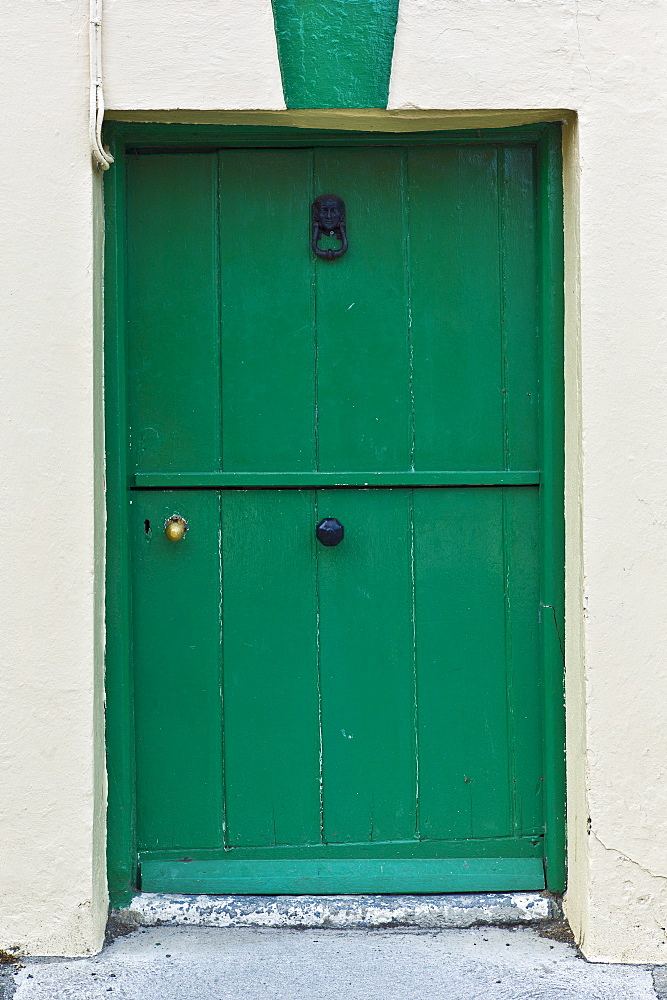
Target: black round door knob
(330, 531)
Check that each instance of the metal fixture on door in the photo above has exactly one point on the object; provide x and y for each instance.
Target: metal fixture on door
(328, 214)
(175, 528)
(330, 531)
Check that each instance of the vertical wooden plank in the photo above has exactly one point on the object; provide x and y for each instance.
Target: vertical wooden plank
(271, 696)
(366, 665)
(363, 377)
(455, 295)
(520, 328)
(173, 342)
(520, 300)
(522, 647)
(268, 347)
(176, 644)
(461, 677)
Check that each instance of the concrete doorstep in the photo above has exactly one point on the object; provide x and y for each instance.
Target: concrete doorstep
(422, 911)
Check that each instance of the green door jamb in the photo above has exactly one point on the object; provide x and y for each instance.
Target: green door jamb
(121, 812)
(552, 411)
(122, 848)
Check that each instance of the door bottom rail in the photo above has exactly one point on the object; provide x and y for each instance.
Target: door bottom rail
(394, 875)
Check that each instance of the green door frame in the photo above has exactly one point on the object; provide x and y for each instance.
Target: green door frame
(124, 137)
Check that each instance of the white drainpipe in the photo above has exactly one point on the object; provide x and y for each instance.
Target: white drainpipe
(101, 157)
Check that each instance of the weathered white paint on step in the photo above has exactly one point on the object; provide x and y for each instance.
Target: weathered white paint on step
(432, 911)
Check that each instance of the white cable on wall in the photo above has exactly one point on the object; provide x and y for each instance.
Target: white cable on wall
(101, 158)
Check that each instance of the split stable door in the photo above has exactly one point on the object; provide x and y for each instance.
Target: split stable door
(364, 716)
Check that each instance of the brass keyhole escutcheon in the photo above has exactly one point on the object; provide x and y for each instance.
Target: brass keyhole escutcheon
(175, 528)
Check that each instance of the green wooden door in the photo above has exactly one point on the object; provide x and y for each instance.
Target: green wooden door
(365, 717)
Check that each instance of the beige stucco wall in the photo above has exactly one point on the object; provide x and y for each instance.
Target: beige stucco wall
(604, 60)
(192, 54)
(52, 796)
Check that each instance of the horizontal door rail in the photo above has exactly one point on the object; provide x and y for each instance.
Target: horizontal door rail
(344, 876)
(508, 846)
(330, 480)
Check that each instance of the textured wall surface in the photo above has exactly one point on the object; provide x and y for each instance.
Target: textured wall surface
(187, 54)
(604, 60)
(52, 877)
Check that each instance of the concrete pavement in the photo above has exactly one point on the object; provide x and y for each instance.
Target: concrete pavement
(204, 963)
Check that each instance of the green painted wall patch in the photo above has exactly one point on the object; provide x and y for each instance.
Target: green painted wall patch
(335, 53)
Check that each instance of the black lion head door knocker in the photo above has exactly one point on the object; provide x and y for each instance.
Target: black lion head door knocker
(329, 220)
